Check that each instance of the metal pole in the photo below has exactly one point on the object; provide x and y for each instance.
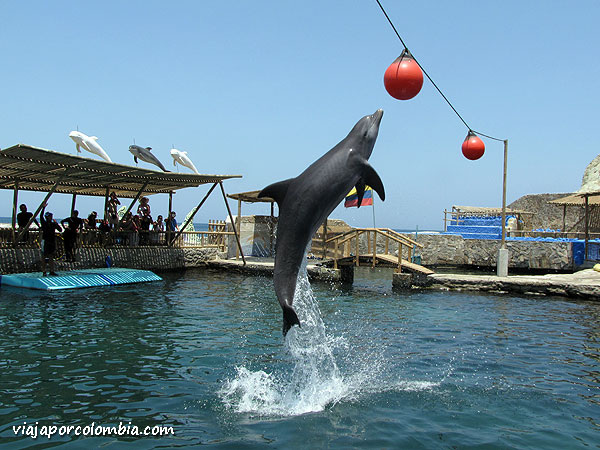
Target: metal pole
(504, 194)
(169, 217)
(502, 260)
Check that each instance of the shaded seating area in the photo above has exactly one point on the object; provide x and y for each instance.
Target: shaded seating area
(24, 167)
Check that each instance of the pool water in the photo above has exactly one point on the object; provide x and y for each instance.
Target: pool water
(202, 352)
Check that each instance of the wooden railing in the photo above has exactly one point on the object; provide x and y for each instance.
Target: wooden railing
(122, 238)
(348, 244)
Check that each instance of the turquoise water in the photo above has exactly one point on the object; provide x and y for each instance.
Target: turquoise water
(202, 352)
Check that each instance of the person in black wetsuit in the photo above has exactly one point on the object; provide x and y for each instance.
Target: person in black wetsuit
(23, 219)
(49, 227)
(73, 225)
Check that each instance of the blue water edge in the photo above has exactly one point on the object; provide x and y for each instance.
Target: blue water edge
(202, 352)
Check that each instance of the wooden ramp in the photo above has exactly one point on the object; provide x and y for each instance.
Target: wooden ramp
(388, 260)
(405, 264)
(78, 278)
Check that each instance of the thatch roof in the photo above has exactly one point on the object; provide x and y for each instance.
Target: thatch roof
(37, 169)
(250, 197)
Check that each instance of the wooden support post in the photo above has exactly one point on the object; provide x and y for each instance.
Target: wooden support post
(272, 230)
(106, 194)
(73, 203)
(238, 226)
(587, 226)
(374, 248)
(324, 238)
(356, 243)
(138, 195)
(39, 208)
(399, 270)
(335, 254)
(168, 216)
(237, 237)
(14, 211)
(182, 227)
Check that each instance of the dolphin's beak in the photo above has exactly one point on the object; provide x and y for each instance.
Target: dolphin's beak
(377, 115)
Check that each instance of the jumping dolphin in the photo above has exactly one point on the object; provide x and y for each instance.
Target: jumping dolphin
(306, 201)
(88, 143)
(145, 155)
(183, 159)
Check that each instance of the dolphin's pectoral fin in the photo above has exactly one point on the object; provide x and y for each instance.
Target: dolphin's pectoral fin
(78, 149)
(135, 159)
(276, 191)
(290, 318)
(360, 191)
(371, 178)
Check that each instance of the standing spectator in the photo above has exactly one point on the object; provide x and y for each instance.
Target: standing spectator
(112, 208)
(144, 207)
(23, 219)
(91, 228)
(159, 225)
(145, 219)
(49, 228)
(171, 222)
(73, 225)
(158, 228)
(104, 230)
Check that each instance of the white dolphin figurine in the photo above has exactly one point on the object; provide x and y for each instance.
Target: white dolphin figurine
(88, 143)
(183, 159)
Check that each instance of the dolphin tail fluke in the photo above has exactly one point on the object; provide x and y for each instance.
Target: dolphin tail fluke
(290, 318)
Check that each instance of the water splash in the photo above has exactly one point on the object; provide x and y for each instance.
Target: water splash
(325, 369)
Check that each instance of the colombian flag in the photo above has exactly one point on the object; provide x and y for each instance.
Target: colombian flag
(352, 198)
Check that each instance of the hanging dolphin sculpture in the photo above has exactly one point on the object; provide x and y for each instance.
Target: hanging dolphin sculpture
(88, 143)
(183, 159)
(306, 201)
(145, 155)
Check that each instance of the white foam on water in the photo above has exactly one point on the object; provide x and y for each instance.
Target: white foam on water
(315, 380)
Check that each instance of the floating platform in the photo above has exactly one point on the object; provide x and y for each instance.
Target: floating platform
(74, 279)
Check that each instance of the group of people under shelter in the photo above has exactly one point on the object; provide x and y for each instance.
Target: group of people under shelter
(132, 230)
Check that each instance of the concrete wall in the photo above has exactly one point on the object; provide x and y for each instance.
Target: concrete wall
(454, 250)
(151, 258)
(255, 236)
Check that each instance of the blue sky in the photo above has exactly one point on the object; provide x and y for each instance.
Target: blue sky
(263, 89)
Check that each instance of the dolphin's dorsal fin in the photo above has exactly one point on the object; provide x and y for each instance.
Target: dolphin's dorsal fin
(276, 191)
(149, 148)
(94, 138)
(371, 178)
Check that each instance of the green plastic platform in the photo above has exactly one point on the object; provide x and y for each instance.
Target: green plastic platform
(74, 279)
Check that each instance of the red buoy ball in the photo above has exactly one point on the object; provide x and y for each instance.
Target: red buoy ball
(403, 79)
(473, 147)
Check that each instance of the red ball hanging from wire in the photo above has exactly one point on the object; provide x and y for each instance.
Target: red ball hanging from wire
(473, 147)
(403, 79)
